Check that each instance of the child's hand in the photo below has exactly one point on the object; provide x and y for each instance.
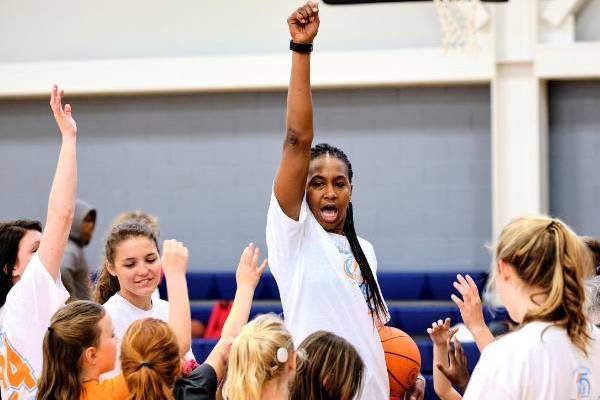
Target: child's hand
(457, 372)
(174, 258)
(248, 272)
(470, 306)
(440, 332)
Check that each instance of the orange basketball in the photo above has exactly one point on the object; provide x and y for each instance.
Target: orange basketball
(402, 358)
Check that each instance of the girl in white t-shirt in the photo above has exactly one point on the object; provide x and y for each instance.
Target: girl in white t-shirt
(326, 274)
(128, 279)
(32, 288)
(555, 353)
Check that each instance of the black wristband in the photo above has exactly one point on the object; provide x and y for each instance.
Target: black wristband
(301, 47)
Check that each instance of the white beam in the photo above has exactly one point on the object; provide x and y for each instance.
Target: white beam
(568, 61)
(238, 73)
(557, 10)
(519, 150)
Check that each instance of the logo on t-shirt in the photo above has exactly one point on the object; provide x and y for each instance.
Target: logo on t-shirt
(17, 378)
(352, 271)
(582, 381)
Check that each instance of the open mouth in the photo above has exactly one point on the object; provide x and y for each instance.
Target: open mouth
(329, 213)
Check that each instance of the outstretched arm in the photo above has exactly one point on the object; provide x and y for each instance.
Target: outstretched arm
(247, 276)
(290, 180)
(174, 264)
(471, 310)
(61, 203)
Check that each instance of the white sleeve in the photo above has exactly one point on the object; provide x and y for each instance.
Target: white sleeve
(32, 302)
(284, 234)
(488, 380)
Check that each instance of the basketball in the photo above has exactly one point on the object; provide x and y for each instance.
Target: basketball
(402, 358)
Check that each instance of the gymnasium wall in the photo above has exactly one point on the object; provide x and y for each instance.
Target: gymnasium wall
(575, 154)
(205, 163)
(31, 30)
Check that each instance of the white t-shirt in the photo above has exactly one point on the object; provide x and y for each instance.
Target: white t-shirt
(320, 289)
(29, 306)
(123, 314)
(535, 363)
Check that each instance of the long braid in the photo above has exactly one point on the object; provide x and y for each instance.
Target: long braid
(374, 299)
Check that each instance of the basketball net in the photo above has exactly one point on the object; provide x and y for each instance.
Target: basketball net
(457, 22)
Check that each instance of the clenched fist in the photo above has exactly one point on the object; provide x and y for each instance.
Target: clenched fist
(304, 23)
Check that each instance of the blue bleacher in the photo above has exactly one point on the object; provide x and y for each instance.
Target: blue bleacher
(395, 286)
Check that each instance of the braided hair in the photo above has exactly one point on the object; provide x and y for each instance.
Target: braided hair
(374, 299)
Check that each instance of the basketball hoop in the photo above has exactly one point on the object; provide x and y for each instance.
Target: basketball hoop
(457, 22)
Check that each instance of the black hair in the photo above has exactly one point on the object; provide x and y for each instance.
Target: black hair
(374, 299)
(11, 234)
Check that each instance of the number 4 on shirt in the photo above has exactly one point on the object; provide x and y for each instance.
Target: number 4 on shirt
(14, 371)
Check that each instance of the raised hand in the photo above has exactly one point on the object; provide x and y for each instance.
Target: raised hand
(62, 116)
(174, 258)
(440, 332)
(470, 306)
(304, 23)
(248, 272)
(456, 372)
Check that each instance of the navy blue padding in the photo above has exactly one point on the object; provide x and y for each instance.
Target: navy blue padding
(202, 348)
(401, 285)
(394, 285)
(267, 288)
(202, 312)
(201, 286)
(439, 284)
(416, 319)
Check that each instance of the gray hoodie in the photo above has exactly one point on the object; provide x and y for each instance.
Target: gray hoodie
(75, 270)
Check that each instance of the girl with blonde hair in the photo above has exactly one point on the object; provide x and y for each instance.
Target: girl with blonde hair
(262, 362)
(538, 275)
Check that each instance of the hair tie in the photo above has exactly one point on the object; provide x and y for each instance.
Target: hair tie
(282, 355)
(50, 329)
(144, 364)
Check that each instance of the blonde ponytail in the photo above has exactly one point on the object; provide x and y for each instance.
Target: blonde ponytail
(548, 255)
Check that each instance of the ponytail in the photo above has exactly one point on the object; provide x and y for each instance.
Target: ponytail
(107, 285)
(546, 254)
(150, 360)
(72, 329)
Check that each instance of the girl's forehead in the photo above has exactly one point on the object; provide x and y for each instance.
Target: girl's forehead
(135, 245)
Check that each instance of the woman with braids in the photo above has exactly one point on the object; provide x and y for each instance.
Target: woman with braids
(555, 354)
(326, 274)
